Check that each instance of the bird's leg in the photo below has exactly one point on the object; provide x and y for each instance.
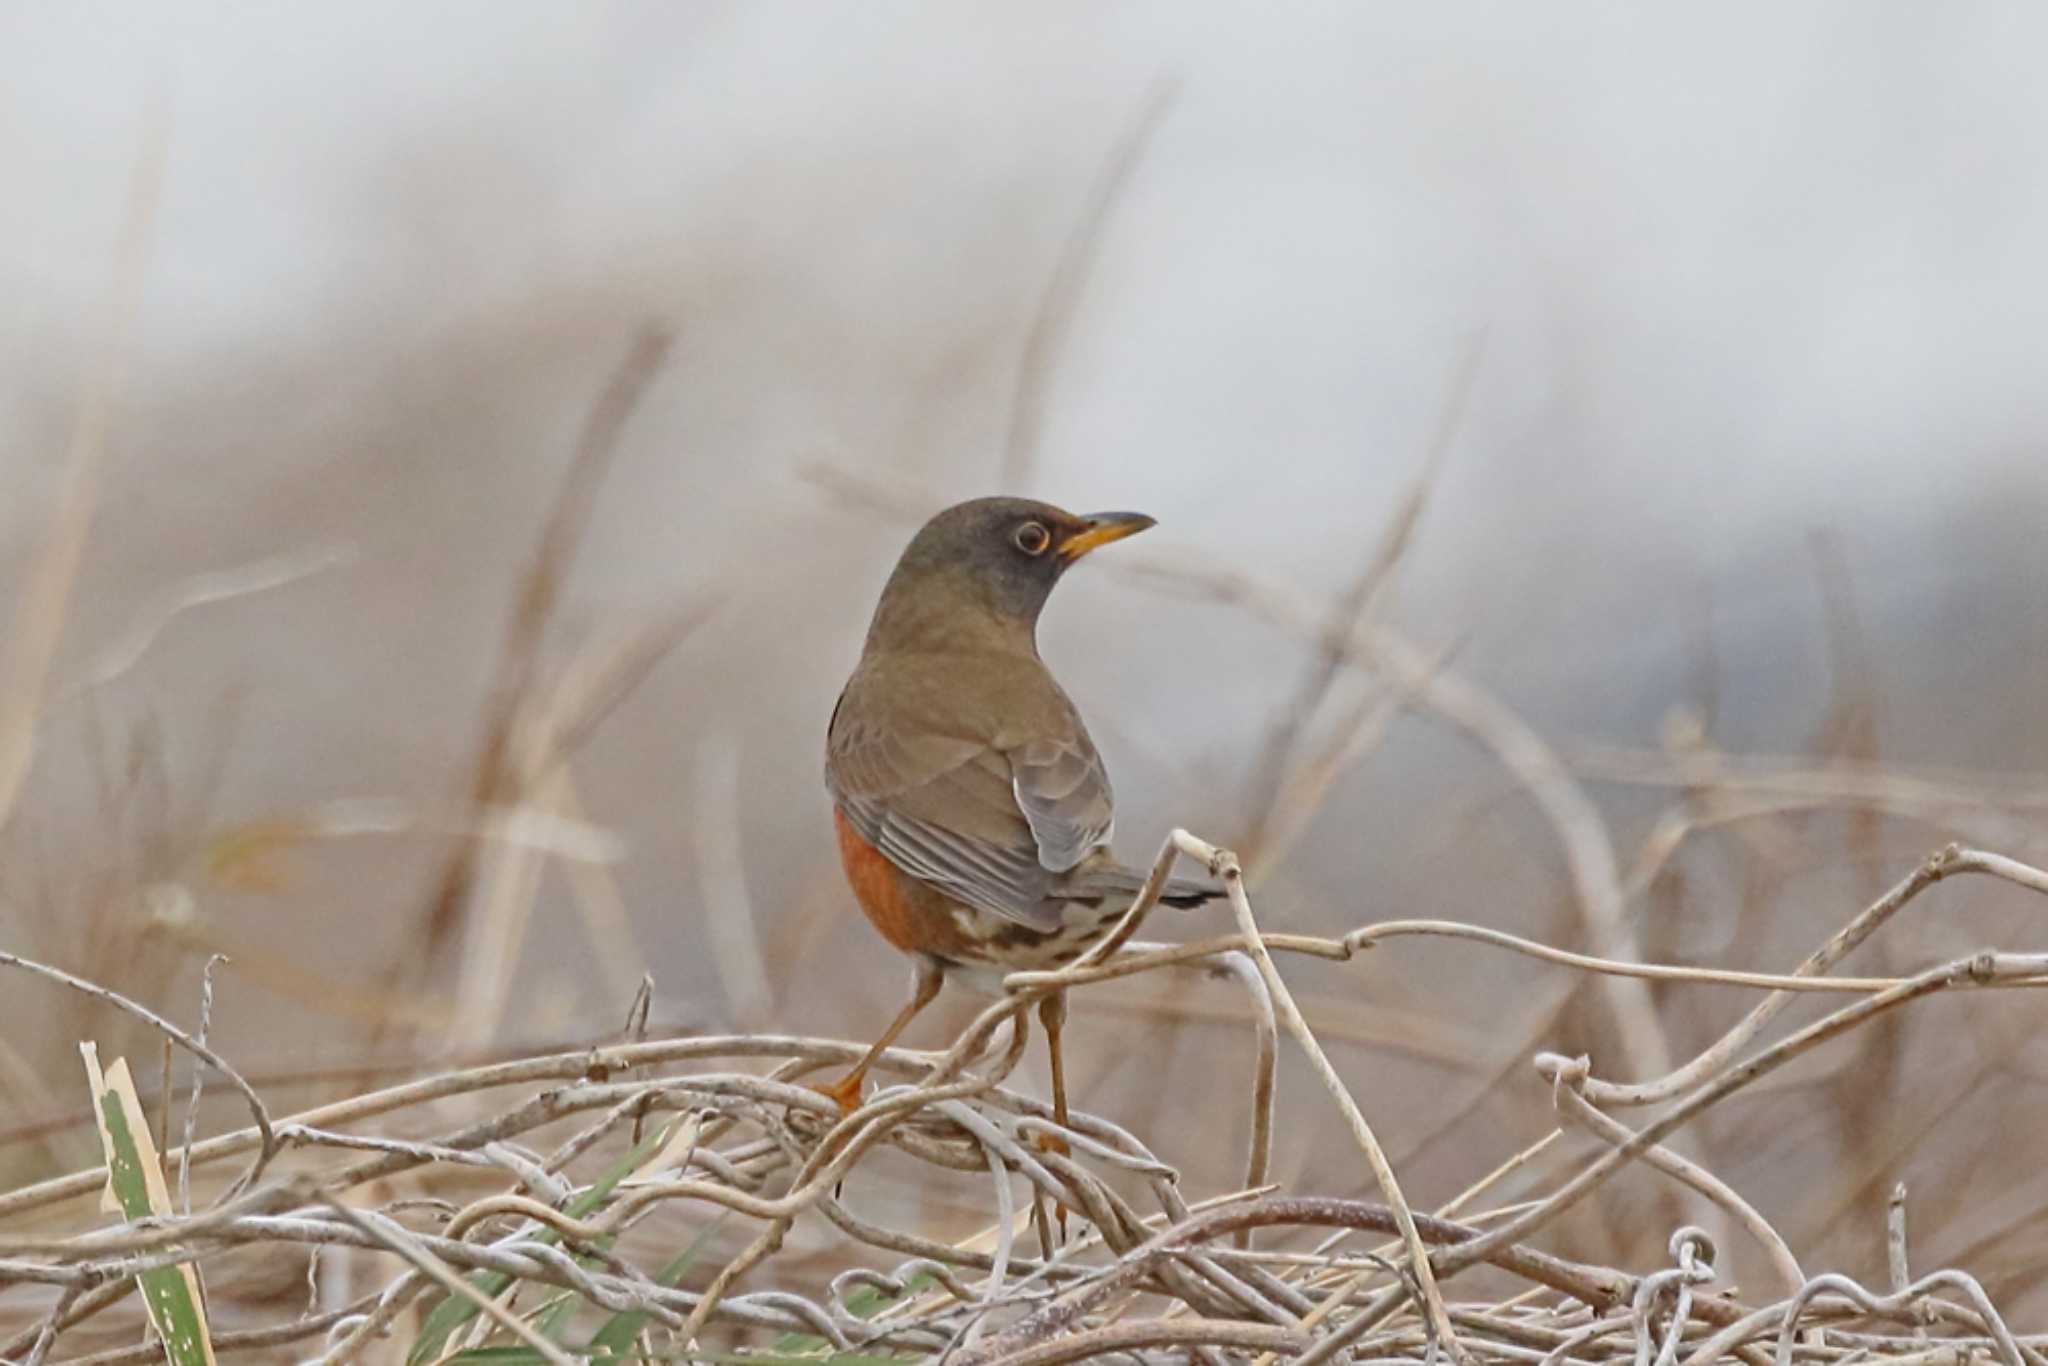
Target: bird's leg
(1052, 1013)
(924, 989)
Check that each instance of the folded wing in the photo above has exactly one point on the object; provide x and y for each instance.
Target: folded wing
(995, 828)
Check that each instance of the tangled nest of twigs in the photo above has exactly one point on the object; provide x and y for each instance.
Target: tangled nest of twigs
(561, 1258)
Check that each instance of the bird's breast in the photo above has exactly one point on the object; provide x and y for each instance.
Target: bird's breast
(916, 917)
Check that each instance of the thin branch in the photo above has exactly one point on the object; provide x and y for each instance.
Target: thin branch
(1223, 864)
(1571, 1101)
(266, 1139)
(533, 608)
(408, 1247)
(198, 1080)
(39, 613)
(1059, 301)
(202, 590)
(1349, 613)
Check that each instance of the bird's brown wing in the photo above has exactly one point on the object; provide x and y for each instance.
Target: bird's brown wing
(1063, 791)
(993, 827)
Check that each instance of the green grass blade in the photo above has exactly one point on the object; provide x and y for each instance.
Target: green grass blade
(616, 1337)
(863, 1303)
(526, 1356)
(455, 1311)
(553, 1320)
(169, 1293)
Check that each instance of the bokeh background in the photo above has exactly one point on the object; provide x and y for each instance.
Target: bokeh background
(1714, 338)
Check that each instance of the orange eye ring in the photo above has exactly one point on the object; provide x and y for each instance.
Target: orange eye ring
(1032, 538)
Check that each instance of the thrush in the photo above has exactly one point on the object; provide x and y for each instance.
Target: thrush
(973, 811)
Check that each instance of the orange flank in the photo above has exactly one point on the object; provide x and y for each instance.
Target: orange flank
(913, 917)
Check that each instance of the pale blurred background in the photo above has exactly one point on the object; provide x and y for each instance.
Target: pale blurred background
(1755, 439)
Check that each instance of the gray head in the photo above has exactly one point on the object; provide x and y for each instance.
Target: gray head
(992, 558)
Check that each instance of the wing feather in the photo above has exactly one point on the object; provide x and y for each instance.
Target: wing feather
(1063, 790)
(994, 827)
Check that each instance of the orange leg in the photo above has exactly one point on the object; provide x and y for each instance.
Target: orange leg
(1052, 1013)
(924, 989)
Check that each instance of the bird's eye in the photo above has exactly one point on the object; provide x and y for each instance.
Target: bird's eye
(1032, 539)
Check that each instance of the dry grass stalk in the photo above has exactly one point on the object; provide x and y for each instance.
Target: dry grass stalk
(773, 1153)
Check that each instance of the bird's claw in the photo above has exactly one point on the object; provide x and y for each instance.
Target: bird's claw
(1053, 1143)
(845, 1093)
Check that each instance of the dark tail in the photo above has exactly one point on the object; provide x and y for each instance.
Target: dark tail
(1192, 891)
(1121, 881)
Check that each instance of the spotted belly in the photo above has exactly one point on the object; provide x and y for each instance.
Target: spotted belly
(996, 945)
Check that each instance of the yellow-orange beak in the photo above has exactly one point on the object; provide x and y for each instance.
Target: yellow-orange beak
(1100, 528)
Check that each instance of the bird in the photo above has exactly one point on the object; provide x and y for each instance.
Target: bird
(973, 812)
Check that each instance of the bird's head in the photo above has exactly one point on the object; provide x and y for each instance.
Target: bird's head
(997, 556)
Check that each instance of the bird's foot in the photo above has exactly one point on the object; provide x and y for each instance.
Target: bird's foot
(845, 1093)
(1053, 1143)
